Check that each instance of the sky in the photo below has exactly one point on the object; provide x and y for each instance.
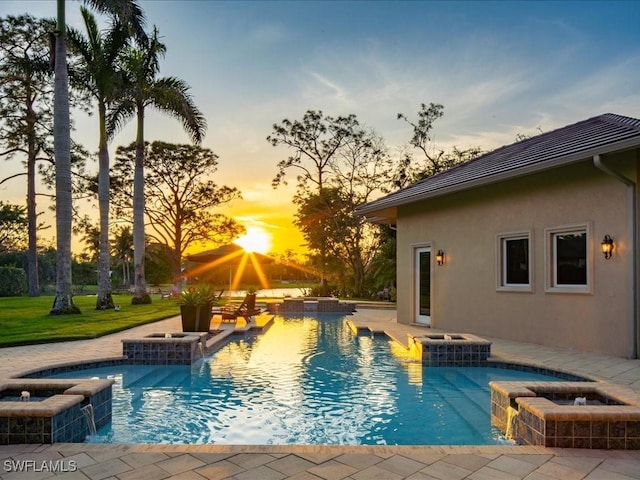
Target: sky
(499, 68)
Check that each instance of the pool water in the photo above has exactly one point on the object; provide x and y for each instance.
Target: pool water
(304, 381)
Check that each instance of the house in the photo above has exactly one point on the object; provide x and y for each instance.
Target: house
(510, 244)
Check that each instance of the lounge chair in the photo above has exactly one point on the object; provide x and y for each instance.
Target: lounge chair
(246, 309)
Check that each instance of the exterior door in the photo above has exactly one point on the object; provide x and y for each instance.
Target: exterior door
(423, 285)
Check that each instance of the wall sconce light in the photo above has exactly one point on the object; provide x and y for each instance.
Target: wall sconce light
(607, 246)
(440, 257)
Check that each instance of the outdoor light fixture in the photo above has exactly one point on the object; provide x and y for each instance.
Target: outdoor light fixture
(440, 257)
(607, 246)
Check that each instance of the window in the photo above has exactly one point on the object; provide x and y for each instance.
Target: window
(514, 264)
(569, 259)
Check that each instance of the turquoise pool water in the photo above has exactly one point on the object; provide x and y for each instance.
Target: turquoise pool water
(304, 381)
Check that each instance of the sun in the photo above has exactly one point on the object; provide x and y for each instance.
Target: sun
(255, 240)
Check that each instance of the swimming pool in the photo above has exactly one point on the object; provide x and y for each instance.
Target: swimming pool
(304, 381)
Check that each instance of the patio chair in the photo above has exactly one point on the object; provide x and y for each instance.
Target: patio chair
(246, 309)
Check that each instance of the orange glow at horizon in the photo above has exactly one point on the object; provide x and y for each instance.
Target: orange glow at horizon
(256, 239)
(239, 269)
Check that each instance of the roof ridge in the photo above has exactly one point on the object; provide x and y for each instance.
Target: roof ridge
(560, 146)
(611, 118)
(621, 120)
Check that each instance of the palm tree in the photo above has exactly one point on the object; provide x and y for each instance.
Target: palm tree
(102, 78)
(167, 94)
(122, 244)
(129, 12)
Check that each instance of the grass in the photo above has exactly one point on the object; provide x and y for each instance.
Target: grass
(26, 320)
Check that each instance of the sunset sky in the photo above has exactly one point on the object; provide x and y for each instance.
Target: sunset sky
(499, 69)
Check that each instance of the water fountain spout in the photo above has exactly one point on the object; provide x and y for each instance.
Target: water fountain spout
(87, 411)
(511, 430)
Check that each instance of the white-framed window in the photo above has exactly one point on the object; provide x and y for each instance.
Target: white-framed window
(514, 266)
(569, 259)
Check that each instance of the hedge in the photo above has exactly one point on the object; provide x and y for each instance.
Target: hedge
(13, 281)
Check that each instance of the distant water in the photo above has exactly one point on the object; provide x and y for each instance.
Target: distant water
(270, 292)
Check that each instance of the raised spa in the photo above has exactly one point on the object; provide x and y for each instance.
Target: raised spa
(50, 410)
(567, 414)
(452, 349)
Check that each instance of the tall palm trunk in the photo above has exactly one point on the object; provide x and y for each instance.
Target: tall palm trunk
(104, 300)
(140, 294)
(32, 214)
(63, 302)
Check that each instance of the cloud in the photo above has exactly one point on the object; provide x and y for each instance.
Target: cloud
(614, 83)
(334, 90)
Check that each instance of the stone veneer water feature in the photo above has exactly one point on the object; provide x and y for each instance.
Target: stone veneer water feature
(567, 414)
(171, 348)
(451, 349)
(54, 410)
(175, 348)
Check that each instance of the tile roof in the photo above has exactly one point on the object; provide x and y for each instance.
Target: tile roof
(573, 143)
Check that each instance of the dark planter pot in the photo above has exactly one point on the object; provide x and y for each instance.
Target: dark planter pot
(188, 318)
(203, 322)
(196, 319)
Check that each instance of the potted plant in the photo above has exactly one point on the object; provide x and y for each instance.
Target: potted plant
(195, 307)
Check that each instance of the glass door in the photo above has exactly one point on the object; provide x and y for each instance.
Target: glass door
(423, 285)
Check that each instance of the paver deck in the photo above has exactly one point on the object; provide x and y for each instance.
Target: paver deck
(184, 462)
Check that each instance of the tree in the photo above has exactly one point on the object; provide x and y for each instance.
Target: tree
(361, 170)
(315, 141)
(348, 165)
(13, 227)
(169, 95)
(364, 170)
(103, 80)
(26, 113)
(436, 160)
(130, 13)
(159, 267)
(178, 198)
(84, 273)
(91, 237)
(287, 266)
(384, 263)
(25, 109)
(122, 246)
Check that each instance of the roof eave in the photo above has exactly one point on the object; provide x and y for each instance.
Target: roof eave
(380, 205)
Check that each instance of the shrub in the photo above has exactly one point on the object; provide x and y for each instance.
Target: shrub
(13, 281)
(321, 291)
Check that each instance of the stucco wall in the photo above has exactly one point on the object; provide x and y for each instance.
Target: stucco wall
(464, 291)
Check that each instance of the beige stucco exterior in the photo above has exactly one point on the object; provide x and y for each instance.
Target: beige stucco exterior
(465, 291)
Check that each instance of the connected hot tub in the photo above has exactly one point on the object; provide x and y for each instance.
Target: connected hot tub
(52, 410)
(452, 349)
(567, 414)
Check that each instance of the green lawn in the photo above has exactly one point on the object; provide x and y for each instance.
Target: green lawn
(25, 320)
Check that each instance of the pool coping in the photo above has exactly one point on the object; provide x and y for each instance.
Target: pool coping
(217, 340)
